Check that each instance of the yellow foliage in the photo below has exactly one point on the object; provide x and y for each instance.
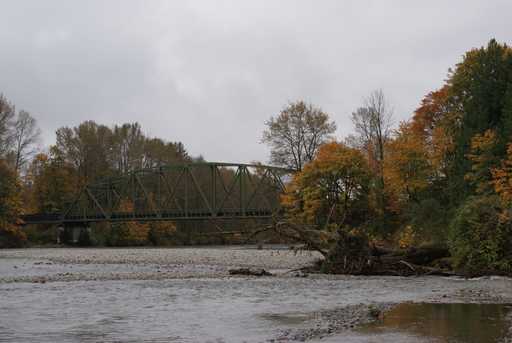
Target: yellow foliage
(328, 186)
(407, 168)
(132, 233)
(10, 208)
(407, 237)
(502, 178)
(482, 156)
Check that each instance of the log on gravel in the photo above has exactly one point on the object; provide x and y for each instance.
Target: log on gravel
(249, 272)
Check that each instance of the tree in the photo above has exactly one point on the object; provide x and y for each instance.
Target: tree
(407, 169)
(87, 148)
(128, 147)
(295, 135)
(25, 136)
(483, 159)
(372, 124)
(478, 98)
(6, 118)
(502, 179)
(52, 184)
(332, 188)
(481, 236)
(157, 153)
(10, 208)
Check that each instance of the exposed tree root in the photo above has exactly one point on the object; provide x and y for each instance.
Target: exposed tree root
(351, 253)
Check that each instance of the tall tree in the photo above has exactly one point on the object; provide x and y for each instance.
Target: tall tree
(52, 184)
(87, 147)
(407, 167)
(128, 147)
(25, 136)
(10, 208)
(6, 118)
(295, 135)
(480, 87)
(372, 124)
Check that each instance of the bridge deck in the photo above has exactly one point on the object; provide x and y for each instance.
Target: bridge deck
(57, 218)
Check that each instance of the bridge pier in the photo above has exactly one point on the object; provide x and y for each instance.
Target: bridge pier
(74, 233)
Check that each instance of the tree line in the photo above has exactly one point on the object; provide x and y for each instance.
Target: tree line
(442, 177)
(36, 181)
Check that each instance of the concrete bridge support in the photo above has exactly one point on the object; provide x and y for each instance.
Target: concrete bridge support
(73, 233)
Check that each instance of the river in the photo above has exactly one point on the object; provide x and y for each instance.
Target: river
(187, 295)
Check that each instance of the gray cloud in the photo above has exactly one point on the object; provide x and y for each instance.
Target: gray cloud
(209, 73)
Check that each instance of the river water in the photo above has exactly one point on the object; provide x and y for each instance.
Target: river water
(187, 295)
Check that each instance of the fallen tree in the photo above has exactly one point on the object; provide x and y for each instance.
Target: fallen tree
(351, 252)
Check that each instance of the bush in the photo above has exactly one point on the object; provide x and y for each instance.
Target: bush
(40, 234)
(162, 233)
(129, 234)
(428, 219)
(11, 236)
(480, 237)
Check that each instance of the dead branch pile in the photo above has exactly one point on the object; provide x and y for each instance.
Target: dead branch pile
(352, 253)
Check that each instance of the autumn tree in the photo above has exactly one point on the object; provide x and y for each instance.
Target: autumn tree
(86, 148)
(52, 184)
(483, 160)
(10, 208)
(333, 188)
(407, 168)
(479, 97)
(502, 178)
(295, 135)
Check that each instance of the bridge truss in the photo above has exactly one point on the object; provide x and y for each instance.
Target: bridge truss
(189, 191)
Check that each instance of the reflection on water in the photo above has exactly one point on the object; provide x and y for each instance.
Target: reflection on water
(447, 322)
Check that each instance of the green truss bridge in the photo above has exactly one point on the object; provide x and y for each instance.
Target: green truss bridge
(178, 192)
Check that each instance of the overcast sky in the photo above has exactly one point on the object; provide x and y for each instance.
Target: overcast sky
(209, 73)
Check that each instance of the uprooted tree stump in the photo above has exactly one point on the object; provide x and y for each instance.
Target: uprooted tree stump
(350, 252)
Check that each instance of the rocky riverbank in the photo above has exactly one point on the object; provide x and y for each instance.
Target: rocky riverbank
(178, 286)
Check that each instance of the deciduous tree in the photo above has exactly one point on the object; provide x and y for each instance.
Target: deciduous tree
(25, 136)
(333, 188)
(295, 135)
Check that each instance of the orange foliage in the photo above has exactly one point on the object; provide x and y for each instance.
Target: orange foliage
(432, 122)
(482, 156)
(329, 186)
(132, 233)
(432, 110)
(502, 178)
(407, 169)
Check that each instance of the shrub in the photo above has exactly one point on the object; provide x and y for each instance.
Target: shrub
(162, 233)
(11, 236)
(480, 237)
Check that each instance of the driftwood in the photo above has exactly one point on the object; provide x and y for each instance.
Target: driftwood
(352, 253)
(249, 272)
